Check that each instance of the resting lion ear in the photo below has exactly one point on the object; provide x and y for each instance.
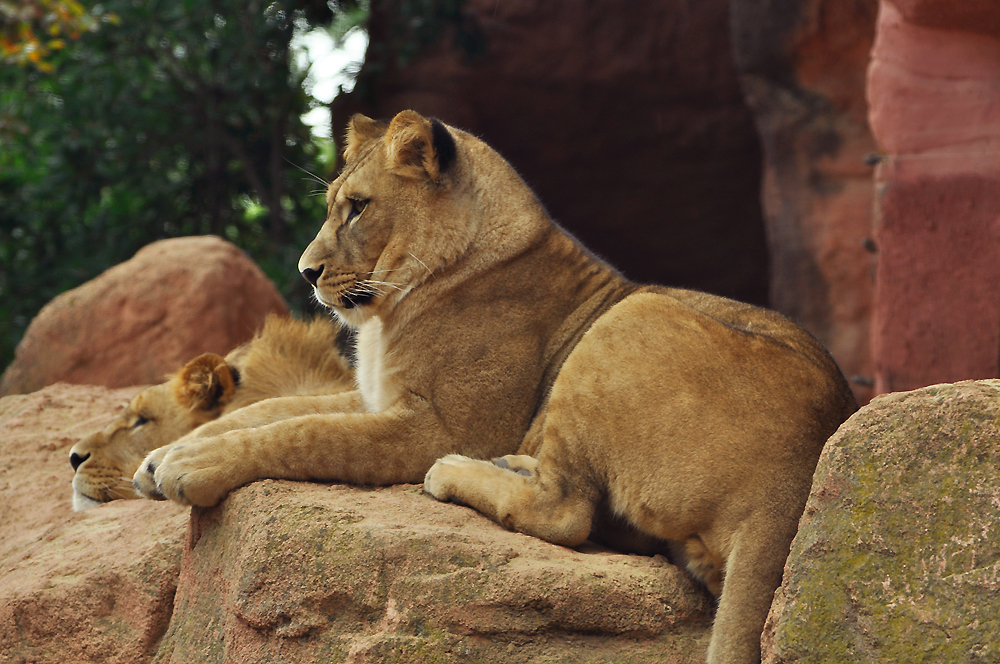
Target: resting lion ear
(205, 384)
(418, 147)
(361, 130)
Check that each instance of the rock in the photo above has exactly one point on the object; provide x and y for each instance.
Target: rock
(88, 588)
(307, 572)
(139, 320)
(896, 558)
(302, 572)
(626, 119)
(935, 112)
(802, 65)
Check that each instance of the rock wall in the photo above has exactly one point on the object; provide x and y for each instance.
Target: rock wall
(626, 118)
(896, 558)
(299, 572)
(934, 91)
(802, 65)
(139, 320)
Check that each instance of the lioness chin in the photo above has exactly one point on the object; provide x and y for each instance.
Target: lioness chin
(485, 330)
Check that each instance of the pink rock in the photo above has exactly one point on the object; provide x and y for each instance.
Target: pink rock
(139, 320)
(934, 93)
(803, 67)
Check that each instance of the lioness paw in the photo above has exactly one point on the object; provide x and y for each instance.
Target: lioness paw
(196, 472)
(144, 480)
(439, 479)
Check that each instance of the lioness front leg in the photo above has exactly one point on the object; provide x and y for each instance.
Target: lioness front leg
(532, 504)
(259, 414)
(391, 447)
(276, 409)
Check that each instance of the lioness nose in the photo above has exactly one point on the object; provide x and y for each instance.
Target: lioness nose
(75, 460)
(311, 275)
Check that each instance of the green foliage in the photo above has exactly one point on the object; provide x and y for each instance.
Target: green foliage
(183, 119)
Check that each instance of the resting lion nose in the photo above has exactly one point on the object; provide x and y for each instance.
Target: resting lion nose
(75, 460)
(311, 275)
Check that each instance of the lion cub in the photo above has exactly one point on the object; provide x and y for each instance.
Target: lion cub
(484, 329)
(285, 357)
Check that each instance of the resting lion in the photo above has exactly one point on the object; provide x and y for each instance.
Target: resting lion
(484, 329)
(286, 357)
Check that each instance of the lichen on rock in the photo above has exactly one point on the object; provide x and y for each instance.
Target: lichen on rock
(896, 558)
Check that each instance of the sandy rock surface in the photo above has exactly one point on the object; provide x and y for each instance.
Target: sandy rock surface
(143, 318)
(897, 559)
(300, 572)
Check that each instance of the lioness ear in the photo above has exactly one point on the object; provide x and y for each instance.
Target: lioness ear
(360, 130)
(418, 147)
(205, 384)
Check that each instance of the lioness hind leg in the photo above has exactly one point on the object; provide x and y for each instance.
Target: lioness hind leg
(517, 463)
(527, 504)
(703, 565)
(752, 574)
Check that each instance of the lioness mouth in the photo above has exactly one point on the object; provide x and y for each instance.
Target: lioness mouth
(351, 300)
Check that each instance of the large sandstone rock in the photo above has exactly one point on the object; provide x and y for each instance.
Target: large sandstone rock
(299, 572)
(803, 65)
(172, 301)
(897, 558)
(306, 572)
(626, 118)
(935, 111)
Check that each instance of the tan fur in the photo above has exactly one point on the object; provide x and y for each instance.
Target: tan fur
(286, 357)
(649, 414)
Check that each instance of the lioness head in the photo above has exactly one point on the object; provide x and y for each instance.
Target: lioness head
(396, 215)
(106, 460)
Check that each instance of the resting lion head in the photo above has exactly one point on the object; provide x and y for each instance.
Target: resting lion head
(105, 461)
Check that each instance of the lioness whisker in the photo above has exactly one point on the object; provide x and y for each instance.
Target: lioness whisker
(314, 177)
(422, 263)
(383, 283)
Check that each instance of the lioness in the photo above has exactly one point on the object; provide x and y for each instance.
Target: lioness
(484, 329)
(286, 357)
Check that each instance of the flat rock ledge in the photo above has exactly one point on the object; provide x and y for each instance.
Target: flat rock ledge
(300, 572)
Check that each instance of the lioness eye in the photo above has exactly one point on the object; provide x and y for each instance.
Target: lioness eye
(139, 421)
(357, 207)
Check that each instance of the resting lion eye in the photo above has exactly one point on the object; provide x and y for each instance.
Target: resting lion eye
(358, 206)
(139, 421)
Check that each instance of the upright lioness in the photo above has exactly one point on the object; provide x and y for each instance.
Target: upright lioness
(484, 329)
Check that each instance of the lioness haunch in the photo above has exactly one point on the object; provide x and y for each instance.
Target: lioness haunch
(484, 330)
